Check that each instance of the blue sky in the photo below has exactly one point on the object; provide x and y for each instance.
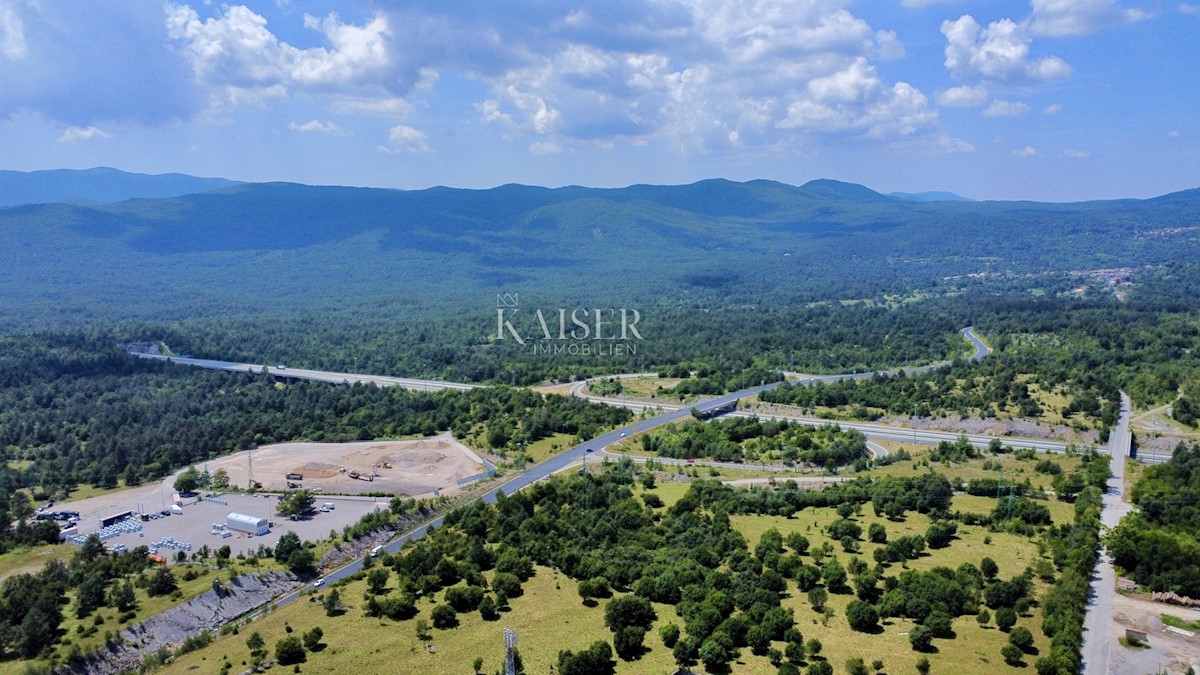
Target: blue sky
(1055, 100)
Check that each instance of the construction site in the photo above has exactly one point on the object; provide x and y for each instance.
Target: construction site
(414, 468)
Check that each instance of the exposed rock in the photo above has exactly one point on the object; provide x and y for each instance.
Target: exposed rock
(207, 611)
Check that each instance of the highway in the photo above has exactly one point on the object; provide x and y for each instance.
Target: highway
(593, 448)
(1099, 634)
(555, 464)
(315, 375)
(874, 432)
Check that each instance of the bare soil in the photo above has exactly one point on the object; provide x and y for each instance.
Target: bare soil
(411, 468)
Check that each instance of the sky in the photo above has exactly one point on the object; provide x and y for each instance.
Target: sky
(1049, 100)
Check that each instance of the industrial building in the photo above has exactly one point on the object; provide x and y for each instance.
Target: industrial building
(241, 522)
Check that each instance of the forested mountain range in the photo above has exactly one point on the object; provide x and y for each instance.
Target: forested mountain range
(98, 185)
(277, 247)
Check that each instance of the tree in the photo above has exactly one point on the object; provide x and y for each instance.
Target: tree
(923, 665)
(989, 568)
(820, 668)
(595, 660)
(877, 533)
(717, 651)
(834, 575)
(122, 596)
(377, 580)
(162, 582)
(862, 616)
(289, 650)
(487, 609)
(628, 642)
(595, 587)
(669, 634)
(332, 603)
(507, 584)
(1006, 617)
(940, 623)
(477, 665)
(629, 610)
(983, 617)
(1021, 638)
(89, 595)
(296, 504)
(312, 639)
(921, 638)
(256, 644)
(443, 617)
(814, 647)
(1011, 653)
(289, 542)
(302, 561)
(794, 651)
(856, 666)
(817, 596)
(187, 481)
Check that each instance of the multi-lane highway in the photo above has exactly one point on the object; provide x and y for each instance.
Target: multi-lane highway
(305, 374)
(593, 448)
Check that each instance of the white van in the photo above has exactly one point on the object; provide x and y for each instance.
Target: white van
(376, 551)
(327, 506)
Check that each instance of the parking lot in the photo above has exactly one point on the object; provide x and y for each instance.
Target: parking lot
(193, 528)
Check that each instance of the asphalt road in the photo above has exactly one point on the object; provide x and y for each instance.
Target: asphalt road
(316, 375)
(560, 462)
(1099, 634)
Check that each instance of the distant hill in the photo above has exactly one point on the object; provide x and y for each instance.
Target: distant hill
(285, 247)
(933, 196)
(99, 185)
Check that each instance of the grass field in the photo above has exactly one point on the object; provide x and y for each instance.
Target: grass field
(1011, 468)
(30, 560)
(550, 617)
(547, 447)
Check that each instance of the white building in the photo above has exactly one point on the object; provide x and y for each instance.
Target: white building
(249, 524)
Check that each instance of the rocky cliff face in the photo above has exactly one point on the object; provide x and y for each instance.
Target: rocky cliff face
(208, 611)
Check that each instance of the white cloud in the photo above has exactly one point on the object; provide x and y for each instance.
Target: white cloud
(1000, 108)
(888, 45)
(392, 106)
(965, 96)
(236, 49)
(12, 33)
(1027, 151)
(917, 4)
(695, 74)
(999, 52)
(856, 99)
(73, 134)
(317, 126)
(544, 148)
(1056, 18)
(1052, 109)
(1174, 133)
(1071, 153)
(403, 138)
(1185, 8)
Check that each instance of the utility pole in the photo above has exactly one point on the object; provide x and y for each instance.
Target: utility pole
(510, 651)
